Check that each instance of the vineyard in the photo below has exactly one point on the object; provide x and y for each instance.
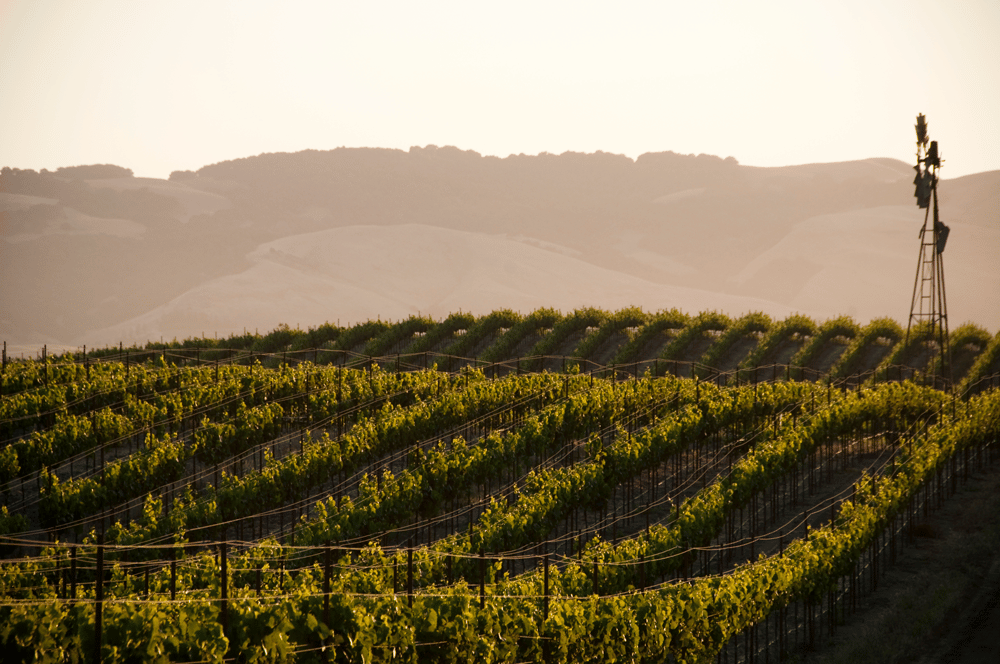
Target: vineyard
(544, 488)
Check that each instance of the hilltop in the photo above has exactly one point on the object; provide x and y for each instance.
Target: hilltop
(93, 254)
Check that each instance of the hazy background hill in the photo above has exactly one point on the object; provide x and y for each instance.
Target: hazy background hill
(91, 254)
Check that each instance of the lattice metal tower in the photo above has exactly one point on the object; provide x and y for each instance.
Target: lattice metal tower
(929, 306)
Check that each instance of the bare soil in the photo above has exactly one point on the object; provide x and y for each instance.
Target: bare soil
(358, 351)
(484, 343)
(439, 347)
(940, 602)
(962, 359)
(737, 353)
(993, 368)
(606, 352)
(525, 345)
(565, 349)
(696, 348)
(872, 356)
(785, 351)
(827, 358)
(654, 348)
(923, 357)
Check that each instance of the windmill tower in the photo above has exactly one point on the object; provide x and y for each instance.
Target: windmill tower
(929, 305)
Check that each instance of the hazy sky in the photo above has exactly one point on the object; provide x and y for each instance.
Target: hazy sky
(163, 86)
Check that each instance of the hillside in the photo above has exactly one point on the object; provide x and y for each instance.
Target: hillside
(94, 248)
(711, 345)
(356, 273)
(269, 494)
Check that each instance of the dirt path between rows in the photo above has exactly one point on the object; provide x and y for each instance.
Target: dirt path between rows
(941, 601)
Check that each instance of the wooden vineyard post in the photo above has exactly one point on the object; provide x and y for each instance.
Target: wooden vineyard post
(482, 579)
(72, 574)
(99, 597)
(409, 578)
(545, 598)
(326, 591)
(832, 612)
(811, 623)
(224, 586)
(892, 540)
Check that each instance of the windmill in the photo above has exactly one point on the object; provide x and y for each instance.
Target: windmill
(929, 305)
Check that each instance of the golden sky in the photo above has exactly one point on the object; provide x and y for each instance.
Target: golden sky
(176, 85)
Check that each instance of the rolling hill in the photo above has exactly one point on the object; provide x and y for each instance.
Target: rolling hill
(92, 254)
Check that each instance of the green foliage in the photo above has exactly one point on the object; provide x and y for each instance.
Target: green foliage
(906, 351)
(966, 343)
(70, 435)
(362, 333)
(704, 322)
(320, 336)
(441, 332)
(795, 325)
(575, 322)
(483, 329)
(655, 328)
(632, 317)
(755, 323)
(534, 323)
(281, 338)
(984, 366)
(398, 333)
(879, 329)
(323, 459)
(842, 326)
(449, 438)
(12, 523)
(685, 622)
